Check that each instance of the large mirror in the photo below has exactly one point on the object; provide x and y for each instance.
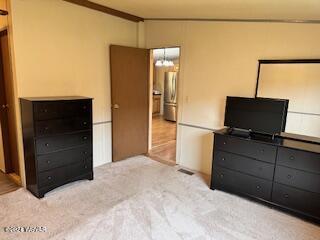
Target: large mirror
(298, 81)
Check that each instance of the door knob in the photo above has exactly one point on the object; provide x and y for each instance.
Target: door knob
(4, 106)
(116, 106)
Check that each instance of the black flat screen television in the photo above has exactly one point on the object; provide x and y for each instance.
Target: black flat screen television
(260, 115)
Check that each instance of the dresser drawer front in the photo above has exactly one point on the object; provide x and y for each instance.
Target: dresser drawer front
(62, 142)
(59, 176)
(53, 160)
(225, 179)
(65, 125)
(246, 148)
(297, 199)
(299, 159)
(61, 109)
(299, 179)
(244, 164)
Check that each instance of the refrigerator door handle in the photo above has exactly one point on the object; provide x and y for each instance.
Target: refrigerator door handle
(175, 88)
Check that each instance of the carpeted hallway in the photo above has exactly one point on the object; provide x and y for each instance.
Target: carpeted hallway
(142, 199)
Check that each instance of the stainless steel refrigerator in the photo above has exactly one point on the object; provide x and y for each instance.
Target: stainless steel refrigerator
(170, 96)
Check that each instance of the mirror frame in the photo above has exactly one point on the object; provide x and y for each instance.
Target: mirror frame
(281, 61)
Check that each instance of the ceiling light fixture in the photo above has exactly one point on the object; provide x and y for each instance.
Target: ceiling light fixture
(164, 62)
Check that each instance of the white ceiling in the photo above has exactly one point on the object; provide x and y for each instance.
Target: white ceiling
(230, 9)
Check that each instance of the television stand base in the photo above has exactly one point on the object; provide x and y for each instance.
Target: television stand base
(250, 134)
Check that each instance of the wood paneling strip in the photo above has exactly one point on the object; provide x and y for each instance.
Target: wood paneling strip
(102, 152)
(111, 11)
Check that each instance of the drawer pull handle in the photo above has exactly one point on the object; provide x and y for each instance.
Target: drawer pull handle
(46, 128)
(223, 159)
(286, 195)
(85, 152)
(291, 157)
(84, 107)
(48, 162)
(49, 177)
(85, 123)
(45, 110)
(224, 143)
(258, 187)
(289, 176)
(221, 175)
(85, 138)
(47, 144)
(262, 150)
(85, 166)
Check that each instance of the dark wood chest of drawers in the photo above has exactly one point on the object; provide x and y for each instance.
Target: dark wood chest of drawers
(281, 172)
(57, 138)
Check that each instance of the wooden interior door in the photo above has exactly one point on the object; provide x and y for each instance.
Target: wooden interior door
(4, 115)
(7, 110)
(130, 101)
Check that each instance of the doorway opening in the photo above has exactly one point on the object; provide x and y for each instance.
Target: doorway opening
(9, 160)
(164, 82)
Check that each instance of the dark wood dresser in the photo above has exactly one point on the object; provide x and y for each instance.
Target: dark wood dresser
(57, 138)
(284, 173)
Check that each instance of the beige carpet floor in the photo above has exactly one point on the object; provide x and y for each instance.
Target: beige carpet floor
(142, 199)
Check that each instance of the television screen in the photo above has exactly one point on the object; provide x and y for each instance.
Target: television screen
(262, 115)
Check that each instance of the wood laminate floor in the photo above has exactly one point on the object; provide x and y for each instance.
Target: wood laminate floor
(163, 139)
(6, 184)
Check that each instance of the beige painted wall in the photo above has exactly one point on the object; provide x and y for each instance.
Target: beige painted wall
(220, 59)
(63, 49)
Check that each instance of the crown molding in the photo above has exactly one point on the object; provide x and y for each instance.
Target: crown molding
(254, 20)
